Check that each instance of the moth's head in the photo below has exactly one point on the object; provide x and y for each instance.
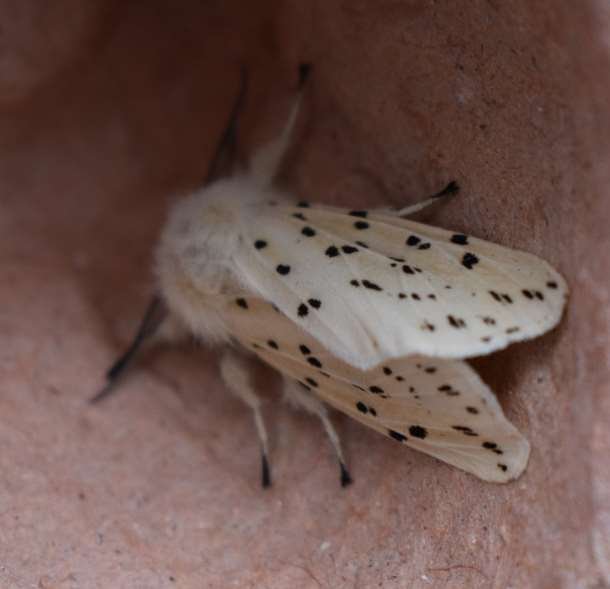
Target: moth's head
(200, 235)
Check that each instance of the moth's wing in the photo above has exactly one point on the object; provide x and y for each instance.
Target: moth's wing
(370, 286)
(440, 407)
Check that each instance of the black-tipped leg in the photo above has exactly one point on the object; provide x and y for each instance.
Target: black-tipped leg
(304, 71)
(106, 390)
(451, 188)
(154, 316)
(265, 472)
(346, 478)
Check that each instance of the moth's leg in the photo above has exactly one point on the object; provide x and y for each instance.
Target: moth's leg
(300, 397)
(266, 161)
(156, 315)
(235, 373)
(449, 190)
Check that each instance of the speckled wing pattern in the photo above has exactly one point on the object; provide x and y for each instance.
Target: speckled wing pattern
(438, 406)
(371, 286)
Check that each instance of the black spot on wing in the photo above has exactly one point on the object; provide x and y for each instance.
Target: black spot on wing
(459, 239)
(314, 362)
(448, 390)
(362, 407)
(315, 303)
(493, 447)
(241, 303)
(308, 231)
(358, 213)
(469, 260)
(465, 430)
(302, 310)
(283, 269)
(412, 240)
(418, 432)
(371, 285)
(456, 322)
(397, 435)
(332, 251)
(259, 244)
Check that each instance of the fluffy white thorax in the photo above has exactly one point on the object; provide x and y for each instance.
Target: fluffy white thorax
(194, 257)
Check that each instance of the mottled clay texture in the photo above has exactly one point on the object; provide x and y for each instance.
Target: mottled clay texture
(110, 110)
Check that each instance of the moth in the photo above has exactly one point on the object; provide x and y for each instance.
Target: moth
(365, 311)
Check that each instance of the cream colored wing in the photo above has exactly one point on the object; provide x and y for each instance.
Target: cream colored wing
(370, 286)
(440, 407)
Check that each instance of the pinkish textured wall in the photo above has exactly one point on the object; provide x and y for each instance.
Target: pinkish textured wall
(108, 109)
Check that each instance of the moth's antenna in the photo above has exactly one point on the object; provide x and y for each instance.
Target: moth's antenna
(154, 316)
(266, 162)
(224, 157)
(221, 164)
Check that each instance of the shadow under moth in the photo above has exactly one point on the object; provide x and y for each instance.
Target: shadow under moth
(363, 310)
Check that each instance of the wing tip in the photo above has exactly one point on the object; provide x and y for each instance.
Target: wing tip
(507, 470)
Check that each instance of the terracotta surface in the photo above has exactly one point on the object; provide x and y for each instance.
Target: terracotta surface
(107, 111)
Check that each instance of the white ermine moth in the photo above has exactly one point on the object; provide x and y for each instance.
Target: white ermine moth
(363, 310)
